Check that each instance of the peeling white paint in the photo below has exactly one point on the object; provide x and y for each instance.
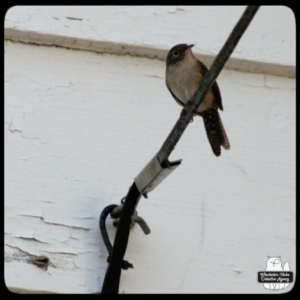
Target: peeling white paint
(79, 126)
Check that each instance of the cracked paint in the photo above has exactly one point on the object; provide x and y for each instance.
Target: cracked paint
(79, 125)
(74, 19)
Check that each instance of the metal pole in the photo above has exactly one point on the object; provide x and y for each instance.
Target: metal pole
(113, 273)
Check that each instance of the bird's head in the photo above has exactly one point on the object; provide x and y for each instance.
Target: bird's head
(179, 53)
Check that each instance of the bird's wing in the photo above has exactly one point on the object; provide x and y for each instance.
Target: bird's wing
(215, 87)
(177, 100)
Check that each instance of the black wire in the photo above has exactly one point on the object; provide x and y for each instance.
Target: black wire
(113, 273)
(208, 80)
(106, 211)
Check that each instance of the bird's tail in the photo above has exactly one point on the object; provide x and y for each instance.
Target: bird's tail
(215, 131)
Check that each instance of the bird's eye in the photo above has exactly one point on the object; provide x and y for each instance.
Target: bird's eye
(176, 53)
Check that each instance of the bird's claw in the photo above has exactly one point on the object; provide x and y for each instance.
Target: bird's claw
(182, 114)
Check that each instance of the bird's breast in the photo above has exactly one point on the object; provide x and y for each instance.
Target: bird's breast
(184, 82)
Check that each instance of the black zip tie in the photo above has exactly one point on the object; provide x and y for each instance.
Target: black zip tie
(125, 264)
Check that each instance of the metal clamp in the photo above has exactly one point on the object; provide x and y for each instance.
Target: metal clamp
(116, 213)
(153, 174)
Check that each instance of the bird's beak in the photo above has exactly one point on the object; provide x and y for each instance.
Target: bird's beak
(190, 46)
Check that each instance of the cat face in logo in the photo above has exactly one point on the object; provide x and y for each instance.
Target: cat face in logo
(274, 264)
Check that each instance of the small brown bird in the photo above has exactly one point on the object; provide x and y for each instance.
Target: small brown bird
(184, 74)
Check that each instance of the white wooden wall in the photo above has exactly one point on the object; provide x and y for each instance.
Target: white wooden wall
(81, 121)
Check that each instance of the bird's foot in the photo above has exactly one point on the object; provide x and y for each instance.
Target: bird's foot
(183, 113)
